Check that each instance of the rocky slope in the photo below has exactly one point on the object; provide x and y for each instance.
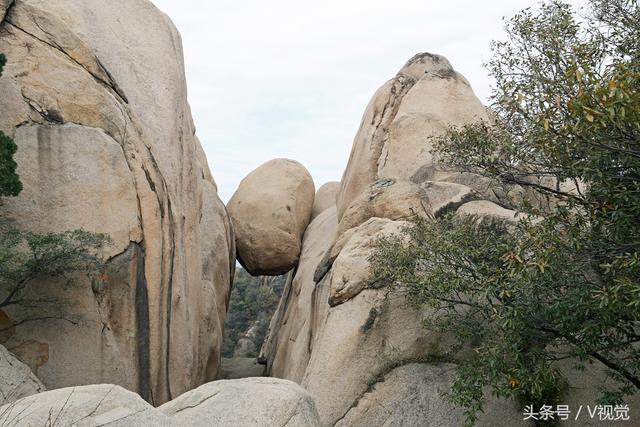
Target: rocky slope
(94, 95)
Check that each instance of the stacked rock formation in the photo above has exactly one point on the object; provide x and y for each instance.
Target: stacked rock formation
(359, 348)
(270, 212)
(94, 95)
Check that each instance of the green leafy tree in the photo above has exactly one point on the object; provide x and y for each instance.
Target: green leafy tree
(10, 184)
(26, 256)
(564, 283)
(253, 301)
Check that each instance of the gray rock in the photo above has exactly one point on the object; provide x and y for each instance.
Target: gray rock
(245, 402)
(93, 405)
(16, 379)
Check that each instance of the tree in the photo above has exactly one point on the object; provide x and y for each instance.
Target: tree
(564, 283)
(10, 184)
(26, 256)
(253, 302)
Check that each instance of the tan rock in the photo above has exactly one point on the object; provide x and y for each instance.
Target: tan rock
(325, 198)
(385, 198)
(358, 347)
(246, 402)
(16, 379)
(425, 98)
(270, 212)
(4, 5)
(486, 209)
(351, 271)
(106, 142)
(88, 406)
(302, 307)
(412, 395)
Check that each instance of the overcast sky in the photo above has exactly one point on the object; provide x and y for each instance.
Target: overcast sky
(291, 78)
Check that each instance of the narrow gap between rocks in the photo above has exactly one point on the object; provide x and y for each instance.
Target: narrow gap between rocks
(253, 302)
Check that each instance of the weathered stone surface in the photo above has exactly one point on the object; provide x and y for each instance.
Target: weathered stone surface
(351, 271)
(486, 209)
(75, 177)
(385, 198)
(426, 97)
(412, 395)
(16, 379)
(302, 307)
(245, 402)
(360, 348)
(325, 198)
(87, 406)
(270, 212)
(97, 106)
(4, 5)
(583, 389)
(241, 367)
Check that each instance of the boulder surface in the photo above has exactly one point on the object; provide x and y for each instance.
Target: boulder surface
(16, 379)
(244, 402)
(97, 105)
(359, 347)
(325, 198)
(270, 211)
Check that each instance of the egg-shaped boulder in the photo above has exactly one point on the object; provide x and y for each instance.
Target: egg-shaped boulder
(270, 211)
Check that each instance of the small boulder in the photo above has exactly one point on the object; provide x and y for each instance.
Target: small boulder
(325, 198)
(270, 212)
(245, 402)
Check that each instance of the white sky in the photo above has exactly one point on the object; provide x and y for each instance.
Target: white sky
(291, 78)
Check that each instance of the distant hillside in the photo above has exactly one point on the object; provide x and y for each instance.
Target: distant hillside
(253, 302)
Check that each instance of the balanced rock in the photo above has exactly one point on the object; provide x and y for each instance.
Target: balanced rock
(325, 198)
(340, 334)
(270, 212)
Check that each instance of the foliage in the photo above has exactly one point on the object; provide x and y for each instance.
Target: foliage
(10, 184)
(253, 302)
(26, 256)
(564, 283)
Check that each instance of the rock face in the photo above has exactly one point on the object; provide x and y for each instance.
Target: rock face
(97, 105)
(325, 198)
(426, 97)
(411, 395)
(251, 402)
(349, 341)
(302, 307)
(270, 212)
(359, 348)
(16, 379)
(93, 405)
(246, 402)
